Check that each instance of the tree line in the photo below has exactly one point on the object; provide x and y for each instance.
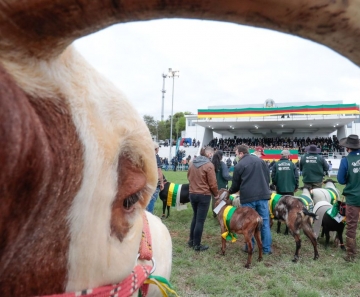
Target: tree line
(161, 129)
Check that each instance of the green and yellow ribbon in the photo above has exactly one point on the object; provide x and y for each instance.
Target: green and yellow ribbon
(163, 284)
(232, 197)
(172, 193)
(274, 199)
(307, 201)
(333, 211)
(333, 195)
(228, 213)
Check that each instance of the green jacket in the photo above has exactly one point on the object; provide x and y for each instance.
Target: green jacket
(313, 167)
(285, 176)
(352, 188)
(222, 176)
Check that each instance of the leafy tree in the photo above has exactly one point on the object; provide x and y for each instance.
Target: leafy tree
(179, 122)
(180, 125)
(151, 124)
(163, 130)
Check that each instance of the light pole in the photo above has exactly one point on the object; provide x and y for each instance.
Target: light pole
(173, 74)
(163, 96)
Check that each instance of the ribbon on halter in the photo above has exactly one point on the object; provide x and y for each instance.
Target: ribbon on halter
(145, 252)
(162, 283)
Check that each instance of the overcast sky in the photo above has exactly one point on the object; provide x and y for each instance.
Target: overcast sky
(219, 64)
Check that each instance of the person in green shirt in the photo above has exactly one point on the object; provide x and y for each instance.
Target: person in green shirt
(313, 166)
(349, 175)
(284, 175)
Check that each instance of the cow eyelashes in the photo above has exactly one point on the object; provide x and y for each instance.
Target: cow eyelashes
(131, 200)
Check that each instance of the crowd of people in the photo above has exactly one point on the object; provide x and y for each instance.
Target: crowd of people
(179, 158)
(186, 143)
(326, 144)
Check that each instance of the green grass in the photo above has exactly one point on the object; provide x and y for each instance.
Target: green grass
(211, 274)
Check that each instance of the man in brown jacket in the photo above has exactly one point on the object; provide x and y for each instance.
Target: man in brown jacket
(202, 180)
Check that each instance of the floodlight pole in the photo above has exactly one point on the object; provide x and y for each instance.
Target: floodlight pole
(163, 96)
(173, 74)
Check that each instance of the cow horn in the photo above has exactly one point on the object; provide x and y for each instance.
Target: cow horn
(47, 27)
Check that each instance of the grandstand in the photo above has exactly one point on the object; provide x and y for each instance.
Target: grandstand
(311, 119)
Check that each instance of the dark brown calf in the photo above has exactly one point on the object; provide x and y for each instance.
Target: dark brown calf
(244, 220)
(184, 196)
(330, 224)
(291, 211)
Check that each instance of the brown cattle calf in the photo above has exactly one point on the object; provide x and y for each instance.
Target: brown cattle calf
(291, 211)
(244, 220)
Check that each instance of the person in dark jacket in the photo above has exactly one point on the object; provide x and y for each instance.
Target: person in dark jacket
(202, 184)
(252, 177)
(150, 207)
(313, 166)
(175, 163)
(272, 164)
(228, 163)
(285, 175)
(349, 175)
(221, 172)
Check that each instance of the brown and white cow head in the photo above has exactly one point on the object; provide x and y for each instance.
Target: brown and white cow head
(79, 171)
(77, 161)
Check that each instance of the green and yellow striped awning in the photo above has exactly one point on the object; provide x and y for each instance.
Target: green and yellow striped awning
(273, 111)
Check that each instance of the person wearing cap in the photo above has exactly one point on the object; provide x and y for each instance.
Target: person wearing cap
(313, 166)
(252, 177)
(160, 185)
(285, 175)
(259, 151)
(349, 175)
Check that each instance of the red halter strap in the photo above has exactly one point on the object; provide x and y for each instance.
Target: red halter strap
(135, 281)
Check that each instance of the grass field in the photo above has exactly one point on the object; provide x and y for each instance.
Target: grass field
(211, 274)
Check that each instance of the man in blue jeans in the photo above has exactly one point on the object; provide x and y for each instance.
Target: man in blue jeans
(160, 186)
(252, 177)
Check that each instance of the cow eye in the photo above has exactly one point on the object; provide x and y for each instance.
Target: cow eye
(131, 200)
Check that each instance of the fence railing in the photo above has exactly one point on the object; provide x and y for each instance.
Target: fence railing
(180, 167)
(327, 155)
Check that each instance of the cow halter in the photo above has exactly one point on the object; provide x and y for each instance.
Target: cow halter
(139, 279)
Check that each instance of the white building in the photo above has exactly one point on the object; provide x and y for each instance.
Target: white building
(335, 119)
